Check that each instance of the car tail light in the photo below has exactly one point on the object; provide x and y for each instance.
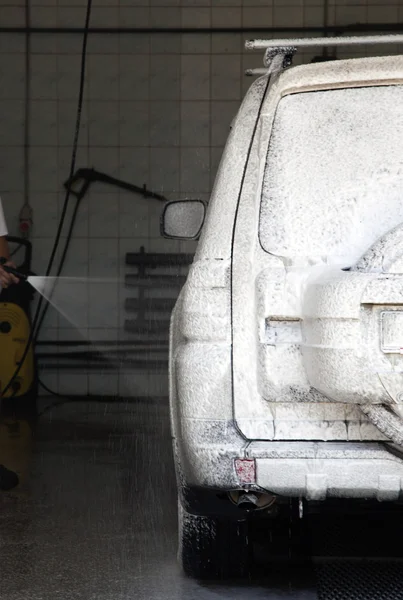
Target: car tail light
(245, 469)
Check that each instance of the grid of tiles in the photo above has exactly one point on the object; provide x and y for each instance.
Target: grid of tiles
(157, 111)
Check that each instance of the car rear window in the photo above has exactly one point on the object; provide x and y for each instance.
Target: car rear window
(333, 179)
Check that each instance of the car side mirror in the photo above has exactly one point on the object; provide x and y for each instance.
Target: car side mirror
(183, 219)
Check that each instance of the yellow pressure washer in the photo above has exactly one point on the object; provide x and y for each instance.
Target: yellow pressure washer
(15, 330)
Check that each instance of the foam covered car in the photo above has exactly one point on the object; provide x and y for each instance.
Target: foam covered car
(286, 342)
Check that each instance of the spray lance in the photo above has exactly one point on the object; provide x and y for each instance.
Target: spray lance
(11, 270)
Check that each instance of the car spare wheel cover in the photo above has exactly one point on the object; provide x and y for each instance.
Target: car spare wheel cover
(385, 256)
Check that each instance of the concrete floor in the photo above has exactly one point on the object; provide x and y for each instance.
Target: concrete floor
(95, 514)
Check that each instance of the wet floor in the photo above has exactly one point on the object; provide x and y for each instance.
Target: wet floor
(95, 514)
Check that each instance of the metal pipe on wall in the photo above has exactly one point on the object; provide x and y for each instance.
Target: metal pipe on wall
(336, 30)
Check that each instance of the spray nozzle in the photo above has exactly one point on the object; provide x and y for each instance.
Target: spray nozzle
(11, 270)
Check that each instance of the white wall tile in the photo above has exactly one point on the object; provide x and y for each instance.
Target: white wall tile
(134, 124)
(227, 43)
(284, 17)
(196, 16)
(103, 257)
(260, 16)
(12, 169)
(134, 16)
(383, 14)
(351, 14)
(44, 77)
(43, 16)
(164, 77)
(226, 78)
(12, 76)
(70, 45)
(104, 159)
(134, 165)
(133, 217)
(11, 44)
(12, 16)
(195, 170)
(103, 77)
(195, 124)
(107, 43)
(102, 16)
(164, 170)
(103, 123)
(163, 16)
(165, 43)
(44, 123)
(103, 214)
(134, 45)
(134, 75)
(195, 77)
(195, 43)
(226, 16)
(45, 214)
(196, 3)
(314, 16)
(71, 15)
(164, 124)
(12, 117)
(45, 44)
(230, 3)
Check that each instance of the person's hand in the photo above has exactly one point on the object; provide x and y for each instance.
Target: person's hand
(7, 279)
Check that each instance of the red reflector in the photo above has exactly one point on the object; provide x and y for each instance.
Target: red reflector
(245, 469)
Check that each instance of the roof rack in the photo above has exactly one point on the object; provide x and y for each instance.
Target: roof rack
(275, 59)
(279, 52)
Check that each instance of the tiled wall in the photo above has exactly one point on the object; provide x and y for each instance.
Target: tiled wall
(157, 110)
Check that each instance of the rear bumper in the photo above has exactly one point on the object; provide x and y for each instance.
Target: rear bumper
(317, 470)
(311, 470)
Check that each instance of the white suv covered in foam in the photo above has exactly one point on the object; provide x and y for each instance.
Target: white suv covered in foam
(286, 347)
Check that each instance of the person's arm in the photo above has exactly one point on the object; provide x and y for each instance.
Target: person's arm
(6, 278)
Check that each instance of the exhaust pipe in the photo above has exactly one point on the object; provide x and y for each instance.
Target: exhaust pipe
(252, 500)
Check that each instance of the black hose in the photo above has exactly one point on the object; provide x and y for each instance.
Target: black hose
(27, 107)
